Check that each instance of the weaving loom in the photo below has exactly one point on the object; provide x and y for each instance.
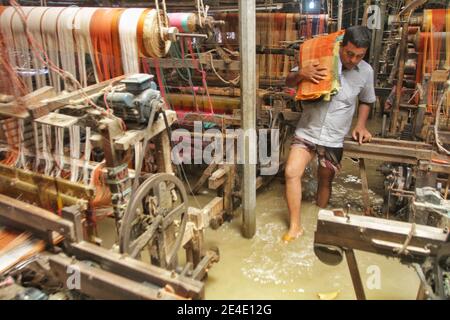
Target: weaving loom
(114, 39)
(273, 30)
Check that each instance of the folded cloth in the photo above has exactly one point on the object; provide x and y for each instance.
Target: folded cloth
(325, 51)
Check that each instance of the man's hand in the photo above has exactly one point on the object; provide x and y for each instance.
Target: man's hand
(313, 72)
(361, 134)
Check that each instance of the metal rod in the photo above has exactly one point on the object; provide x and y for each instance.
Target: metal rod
(247, 39)
(357, 13)
(192, 35)
(340, 8)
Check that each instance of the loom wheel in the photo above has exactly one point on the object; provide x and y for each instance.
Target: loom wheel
(155, 220)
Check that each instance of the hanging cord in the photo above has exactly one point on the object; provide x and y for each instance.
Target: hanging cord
(180, 168)
(189, 75)
(39, 52)
(161, 24)
(436, 124)
(202, 12)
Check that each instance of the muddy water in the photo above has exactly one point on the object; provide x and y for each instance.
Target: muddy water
(266, 268)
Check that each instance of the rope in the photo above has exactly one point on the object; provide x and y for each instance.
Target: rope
(403, 249)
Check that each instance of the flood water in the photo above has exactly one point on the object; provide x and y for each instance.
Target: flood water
(265, 268)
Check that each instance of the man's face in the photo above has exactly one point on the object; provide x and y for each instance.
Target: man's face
(351, 55)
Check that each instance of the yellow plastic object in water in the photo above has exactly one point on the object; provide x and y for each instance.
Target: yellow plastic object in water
(328, 296)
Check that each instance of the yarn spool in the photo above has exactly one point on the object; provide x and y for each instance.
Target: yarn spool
(184, 22)
(153, 44)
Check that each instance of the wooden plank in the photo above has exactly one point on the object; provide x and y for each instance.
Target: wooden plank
(217, 178)
(34, 218)
(205, 175)
(137, 270)
(389, 150)
(355, 275)
(221, 120)
(379, 157)
(133, 136)
(12, 109)
(65, 99)
(100, 284)
(191, 63)
(358, 232)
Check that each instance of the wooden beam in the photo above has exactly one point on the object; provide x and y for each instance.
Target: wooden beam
(133, 136)
(12, 109)
(373, 234)
(137, 270)
(101, 284)
(191, 63)
(218, 178)
(29, 217)
(354, 273)
(57, 102)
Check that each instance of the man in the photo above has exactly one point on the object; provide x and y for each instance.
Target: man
(323, 125)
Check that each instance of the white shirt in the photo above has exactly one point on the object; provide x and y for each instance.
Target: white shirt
(326, 123)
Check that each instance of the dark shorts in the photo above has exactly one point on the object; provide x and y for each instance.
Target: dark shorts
(327, 157)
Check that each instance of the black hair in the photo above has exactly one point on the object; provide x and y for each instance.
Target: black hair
(360, 36)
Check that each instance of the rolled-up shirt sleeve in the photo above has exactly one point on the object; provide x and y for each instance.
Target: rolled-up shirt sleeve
(367, 94)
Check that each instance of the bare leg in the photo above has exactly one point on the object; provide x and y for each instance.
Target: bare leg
(325, 177)
(295, 167)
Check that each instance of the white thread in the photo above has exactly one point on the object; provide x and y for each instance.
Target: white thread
(87, 155)
(36, 146)
(21, 45)
(59, 148)
(74, 152)
(21, 159)
(66, 42)
(128, 40)
(49, 35)
(34, 27)
(82, 35)
(137, 153)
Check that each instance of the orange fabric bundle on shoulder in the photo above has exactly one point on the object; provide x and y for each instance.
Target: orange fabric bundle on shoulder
(325, 51)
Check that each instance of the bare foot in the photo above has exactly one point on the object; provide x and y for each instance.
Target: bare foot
(292, 235)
